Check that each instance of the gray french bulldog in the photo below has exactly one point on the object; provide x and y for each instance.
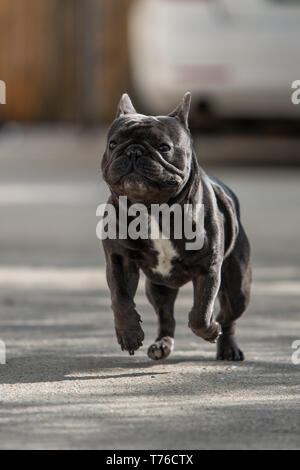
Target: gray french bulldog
(150, 159)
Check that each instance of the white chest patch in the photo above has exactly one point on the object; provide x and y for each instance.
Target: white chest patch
(166, 252)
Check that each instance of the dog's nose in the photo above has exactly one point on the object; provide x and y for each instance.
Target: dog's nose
(135, 150)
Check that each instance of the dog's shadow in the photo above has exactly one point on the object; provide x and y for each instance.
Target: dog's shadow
(44, 368)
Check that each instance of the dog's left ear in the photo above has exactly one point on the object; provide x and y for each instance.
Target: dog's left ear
(182, 111)
(125, 106)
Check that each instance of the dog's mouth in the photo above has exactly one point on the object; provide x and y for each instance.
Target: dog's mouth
(135, 180)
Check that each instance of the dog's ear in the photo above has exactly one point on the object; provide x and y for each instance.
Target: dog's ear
(182, 111)
(125, 106)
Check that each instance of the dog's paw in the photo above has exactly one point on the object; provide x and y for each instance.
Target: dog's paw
(161, 349)
(210, 333)
(130, 339)
(228, 350)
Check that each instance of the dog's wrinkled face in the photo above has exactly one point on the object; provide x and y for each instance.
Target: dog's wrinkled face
(148, 158)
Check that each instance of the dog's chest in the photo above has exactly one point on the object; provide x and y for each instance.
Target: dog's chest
(166, 253)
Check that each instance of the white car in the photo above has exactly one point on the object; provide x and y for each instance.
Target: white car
(238, 57)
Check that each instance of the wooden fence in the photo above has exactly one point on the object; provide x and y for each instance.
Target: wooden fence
(63, 60)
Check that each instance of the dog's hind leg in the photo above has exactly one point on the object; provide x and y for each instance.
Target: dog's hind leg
(234, 295)
(163, 299)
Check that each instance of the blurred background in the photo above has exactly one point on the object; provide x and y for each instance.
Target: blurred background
(70, 61)
(65, 65)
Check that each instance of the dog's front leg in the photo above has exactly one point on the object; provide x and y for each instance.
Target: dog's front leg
(122, 277)
(201, 318)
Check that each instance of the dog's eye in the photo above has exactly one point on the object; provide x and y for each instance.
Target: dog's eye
(164, 148)
(112, 144)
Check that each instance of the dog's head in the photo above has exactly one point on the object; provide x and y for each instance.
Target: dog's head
(149, 159)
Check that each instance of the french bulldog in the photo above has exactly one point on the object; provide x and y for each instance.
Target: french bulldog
(151, 160)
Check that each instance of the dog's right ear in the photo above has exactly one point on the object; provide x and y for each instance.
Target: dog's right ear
(125, 106)
(182, 111)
